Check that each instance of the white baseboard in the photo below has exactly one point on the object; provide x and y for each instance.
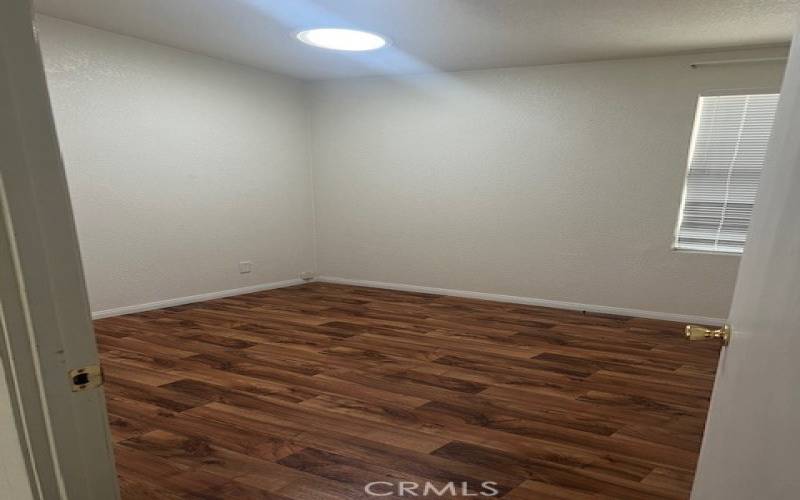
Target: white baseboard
(556, 304)
(179, 301)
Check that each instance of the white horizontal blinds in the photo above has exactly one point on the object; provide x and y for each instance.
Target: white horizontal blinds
(729, 145)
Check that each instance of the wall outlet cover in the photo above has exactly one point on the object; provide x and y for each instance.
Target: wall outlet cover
(245, 266)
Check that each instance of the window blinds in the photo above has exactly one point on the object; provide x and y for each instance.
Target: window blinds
(730, 139)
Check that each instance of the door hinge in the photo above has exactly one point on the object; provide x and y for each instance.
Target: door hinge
(87, 377)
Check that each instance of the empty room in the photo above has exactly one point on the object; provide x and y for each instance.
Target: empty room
(356, 249)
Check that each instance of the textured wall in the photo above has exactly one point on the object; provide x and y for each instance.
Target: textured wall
(179, 166)
(554, 182)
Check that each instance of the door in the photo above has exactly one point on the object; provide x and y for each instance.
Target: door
(45, 325)
(751, 447)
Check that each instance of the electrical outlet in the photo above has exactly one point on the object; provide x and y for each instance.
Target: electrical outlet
(245, 267)
(307, 275)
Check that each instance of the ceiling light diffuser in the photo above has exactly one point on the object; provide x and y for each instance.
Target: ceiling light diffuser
(342, 39)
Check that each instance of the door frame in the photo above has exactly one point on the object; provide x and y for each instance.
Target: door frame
(45, 321)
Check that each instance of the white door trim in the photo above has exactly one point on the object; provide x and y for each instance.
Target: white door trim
(46, 324)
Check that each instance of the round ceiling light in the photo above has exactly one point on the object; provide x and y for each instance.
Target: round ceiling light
(342, 39)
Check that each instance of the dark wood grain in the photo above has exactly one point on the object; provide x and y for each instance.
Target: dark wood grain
(310, 392)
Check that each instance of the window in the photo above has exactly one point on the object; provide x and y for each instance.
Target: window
(729, 143)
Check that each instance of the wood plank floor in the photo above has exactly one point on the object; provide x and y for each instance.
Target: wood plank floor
(311, 392)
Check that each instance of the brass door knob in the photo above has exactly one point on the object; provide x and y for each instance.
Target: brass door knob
(694, 332)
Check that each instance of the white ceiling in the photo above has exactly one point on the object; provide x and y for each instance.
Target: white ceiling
(432, 35)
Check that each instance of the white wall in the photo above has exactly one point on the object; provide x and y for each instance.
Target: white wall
(179, 166)
(554, 182)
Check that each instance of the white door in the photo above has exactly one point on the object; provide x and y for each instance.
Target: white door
(45, 325)
(751, 448)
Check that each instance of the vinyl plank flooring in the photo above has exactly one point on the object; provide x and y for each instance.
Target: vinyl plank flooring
(313, 391)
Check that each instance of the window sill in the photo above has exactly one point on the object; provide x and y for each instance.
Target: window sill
(706, 252)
